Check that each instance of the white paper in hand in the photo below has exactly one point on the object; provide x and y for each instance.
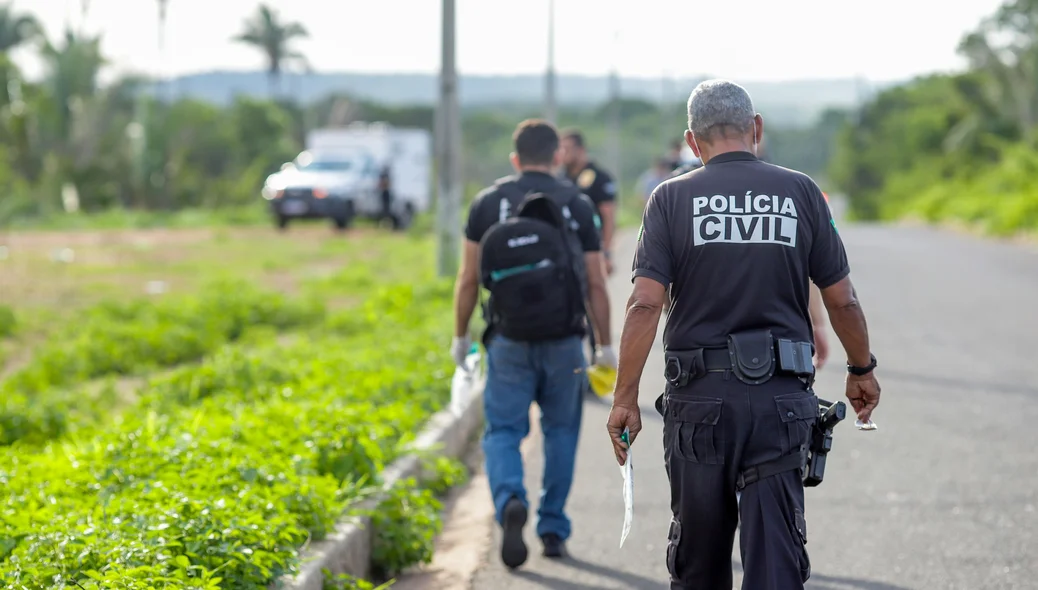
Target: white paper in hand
(870, 425)
(627, 469)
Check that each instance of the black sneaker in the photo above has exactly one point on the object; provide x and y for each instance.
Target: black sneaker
(513, 548)
(553, 546)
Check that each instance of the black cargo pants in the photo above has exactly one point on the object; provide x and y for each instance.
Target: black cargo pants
(713, 428)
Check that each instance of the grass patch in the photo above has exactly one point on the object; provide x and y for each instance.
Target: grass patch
(224, 470)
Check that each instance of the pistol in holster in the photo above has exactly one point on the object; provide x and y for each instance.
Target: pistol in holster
(830, 415)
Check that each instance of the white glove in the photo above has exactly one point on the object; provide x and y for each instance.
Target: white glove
(460, 349)
(605, 356)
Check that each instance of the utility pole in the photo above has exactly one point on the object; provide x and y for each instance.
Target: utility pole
(615, 122)
(550, 109)
(163, 82)
(448, 143)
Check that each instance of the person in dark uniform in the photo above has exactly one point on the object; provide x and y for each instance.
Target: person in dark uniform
(548, 372)
(674, 156)
(596, 183)
(738, 241)
(686, 168)
(385, 188)
(599, 186)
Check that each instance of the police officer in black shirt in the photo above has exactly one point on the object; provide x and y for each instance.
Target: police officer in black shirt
(686, 168)
(674, 156)
(595, 182)
(550, 372)
(738, 241)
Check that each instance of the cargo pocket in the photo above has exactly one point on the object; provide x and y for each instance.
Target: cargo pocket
(800, 525)
(798, 413)
(673, 543)
(695, 433)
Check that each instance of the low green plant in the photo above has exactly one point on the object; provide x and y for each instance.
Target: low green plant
(1001, 199)
(8, 322)
(348, 582)
(40, 401)
(121, 338)
(406, 524)
(222, 471)
(446, 474)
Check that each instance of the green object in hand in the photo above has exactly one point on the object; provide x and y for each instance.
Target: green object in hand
(623, 437)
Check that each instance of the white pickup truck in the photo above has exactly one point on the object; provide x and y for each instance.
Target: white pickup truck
(338, 176)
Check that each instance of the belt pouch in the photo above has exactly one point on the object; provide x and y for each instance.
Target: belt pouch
(796, 358)
(753, 356)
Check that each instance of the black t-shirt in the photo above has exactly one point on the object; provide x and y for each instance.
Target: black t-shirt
(596, 183)
(492, 206)
(737, 242)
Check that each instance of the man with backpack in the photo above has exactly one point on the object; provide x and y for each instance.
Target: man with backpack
(532, 241)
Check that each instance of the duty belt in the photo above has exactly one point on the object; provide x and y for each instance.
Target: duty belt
(757, 355)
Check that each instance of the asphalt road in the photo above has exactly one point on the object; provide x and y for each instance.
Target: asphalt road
(943, 496)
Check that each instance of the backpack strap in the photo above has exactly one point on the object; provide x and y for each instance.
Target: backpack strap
(510, 192)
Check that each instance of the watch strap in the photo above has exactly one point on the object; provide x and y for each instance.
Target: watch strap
(861, 371)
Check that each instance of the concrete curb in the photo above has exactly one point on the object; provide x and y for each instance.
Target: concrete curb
(347, 550)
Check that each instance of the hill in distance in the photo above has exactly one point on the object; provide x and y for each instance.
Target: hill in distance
(795, 102)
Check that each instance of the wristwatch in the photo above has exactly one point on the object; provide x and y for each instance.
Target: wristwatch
(862, 371)
(607, 254)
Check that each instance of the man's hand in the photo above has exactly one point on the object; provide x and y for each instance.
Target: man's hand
(863, 393)
(460, 349)
(608, 264)
(605, 356)
(821, 346)
(620, 417)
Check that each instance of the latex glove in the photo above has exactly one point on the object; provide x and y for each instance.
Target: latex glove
(605, 356)
(460, 349)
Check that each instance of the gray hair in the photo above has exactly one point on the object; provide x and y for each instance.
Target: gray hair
(719, 106)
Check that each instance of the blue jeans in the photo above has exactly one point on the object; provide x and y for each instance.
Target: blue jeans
(553, 375)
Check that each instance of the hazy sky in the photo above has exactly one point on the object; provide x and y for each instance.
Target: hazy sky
(739, 39)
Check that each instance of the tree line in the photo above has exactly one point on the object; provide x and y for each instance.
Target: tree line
(65, 138)
(954, 147)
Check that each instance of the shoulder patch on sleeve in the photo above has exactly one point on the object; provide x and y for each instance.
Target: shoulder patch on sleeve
(586, 178)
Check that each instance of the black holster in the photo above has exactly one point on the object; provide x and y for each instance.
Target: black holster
(682, 366)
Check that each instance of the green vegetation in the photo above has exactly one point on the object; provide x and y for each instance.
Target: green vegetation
(199, 438)
(223, 470)
(954, 148)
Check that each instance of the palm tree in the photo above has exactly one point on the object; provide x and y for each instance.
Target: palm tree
(72, 70)
(266, 32)
(15, 30)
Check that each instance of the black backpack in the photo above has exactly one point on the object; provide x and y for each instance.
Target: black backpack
(533, 266)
